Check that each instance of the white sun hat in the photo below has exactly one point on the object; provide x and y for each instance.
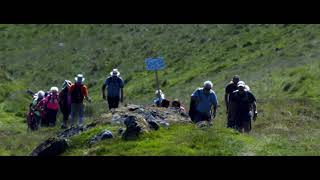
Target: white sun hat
(79, 78)
(115, 72)
(40, 94)
(241, 84)
(54, 89)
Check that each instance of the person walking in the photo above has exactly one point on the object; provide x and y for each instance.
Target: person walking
(232, 86)
(244, 109)
(205, 103)
(78, 92)
(114, 85)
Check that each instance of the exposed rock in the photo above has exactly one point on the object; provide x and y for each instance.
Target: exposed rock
(162, 116)
(74, 131)
(51, 147)
(121, 131)
(134, 127)
(137, 120)
(101, 136)
(203, 124)
(154, 125)
(132, 107)
(57, 145)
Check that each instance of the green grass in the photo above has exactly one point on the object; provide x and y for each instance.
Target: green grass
(279, 62)
(177, 140)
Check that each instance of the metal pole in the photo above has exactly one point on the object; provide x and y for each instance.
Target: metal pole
(157, 81)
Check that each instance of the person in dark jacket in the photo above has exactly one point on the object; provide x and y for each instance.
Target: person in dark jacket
(245, 107)
(232, 86)
(65, 103)
(114, 85)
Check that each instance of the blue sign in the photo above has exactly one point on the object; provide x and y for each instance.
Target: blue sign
(153, 64)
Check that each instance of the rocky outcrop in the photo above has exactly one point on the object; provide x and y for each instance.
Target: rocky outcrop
(162, 116)
(142, 119)
(135, 119)
(57, 145)
(106, 134)
(51, 147)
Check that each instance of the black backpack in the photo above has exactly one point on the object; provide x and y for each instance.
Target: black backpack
(193, 106)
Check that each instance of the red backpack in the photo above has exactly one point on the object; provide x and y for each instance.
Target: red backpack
(53, 102)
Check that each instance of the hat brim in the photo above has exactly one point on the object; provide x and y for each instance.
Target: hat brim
(76, 78)
(111, 73)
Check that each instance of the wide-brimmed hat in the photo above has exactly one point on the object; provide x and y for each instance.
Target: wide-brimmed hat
(79, 78)
(115, 72)
(241, 84)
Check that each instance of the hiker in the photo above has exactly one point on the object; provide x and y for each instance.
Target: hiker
(203, 103)
(78, 92)
(232, 86)
(165, 103)
(34, 115)
(51, 103)
(114, 85)
(244, 103)
(176, 104)
(231, 106)
(159, 97)
(65, 102)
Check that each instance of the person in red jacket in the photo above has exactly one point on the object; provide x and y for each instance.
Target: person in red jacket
(52, 106)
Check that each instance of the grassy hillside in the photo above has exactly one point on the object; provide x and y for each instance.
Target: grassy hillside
(279, 62)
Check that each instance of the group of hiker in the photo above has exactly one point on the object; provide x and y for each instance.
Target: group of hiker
(70, 101)
(45, 106)
(240, 105)
(240, 102)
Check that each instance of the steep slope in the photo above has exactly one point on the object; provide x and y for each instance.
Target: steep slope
(279, 62)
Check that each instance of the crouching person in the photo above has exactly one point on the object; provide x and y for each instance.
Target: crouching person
(159, 98)
(203, 103)
(176, 104)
